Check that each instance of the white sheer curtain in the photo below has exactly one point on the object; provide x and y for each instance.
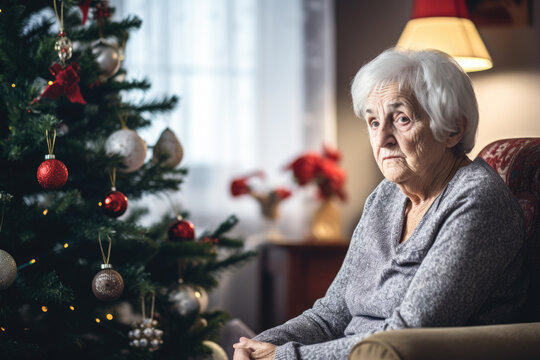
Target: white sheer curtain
(255, 80)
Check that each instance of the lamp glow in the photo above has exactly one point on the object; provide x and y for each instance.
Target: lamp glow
(44, 309)
(109, 317)
(445, 26)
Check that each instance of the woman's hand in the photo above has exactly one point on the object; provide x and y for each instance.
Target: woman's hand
(247, 349)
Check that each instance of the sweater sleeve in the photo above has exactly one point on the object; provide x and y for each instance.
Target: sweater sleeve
(326, 320)
(478, 240)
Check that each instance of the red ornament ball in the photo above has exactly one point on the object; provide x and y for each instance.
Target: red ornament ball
(115, 204)
(181, 230)
(52, 174)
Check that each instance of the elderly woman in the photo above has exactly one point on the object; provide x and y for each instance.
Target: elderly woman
(440, 241)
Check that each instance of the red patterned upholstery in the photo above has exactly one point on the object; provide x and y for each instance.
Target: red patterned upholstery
(518, 162)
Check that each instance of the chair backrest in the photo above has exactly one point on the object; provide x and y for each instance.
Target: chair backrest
(517, 161)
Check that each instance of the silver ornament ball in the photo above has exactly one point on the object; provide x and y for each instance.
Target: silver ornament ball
(183, 299)
(8, 270)
(130, 146)
(64, 48)
(202, 298)
(109, 58)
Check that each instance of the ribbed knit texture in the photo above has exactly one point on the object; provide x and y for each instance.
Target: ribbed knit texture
(463, 265)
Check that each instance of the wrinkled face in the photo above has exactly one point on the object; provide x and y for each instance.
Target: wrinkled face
(399, 132)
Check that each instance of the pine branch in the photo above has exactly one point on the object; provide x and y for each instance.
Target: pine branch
(167, 103)
(129, 85)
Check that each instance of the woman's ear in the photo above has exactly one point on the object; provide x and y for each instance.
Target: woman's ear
(455, 137)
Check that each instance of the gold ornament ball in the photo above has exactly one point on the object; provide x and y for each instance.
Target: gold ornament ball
(168, 149)
(217, 351)
(108, 285)
(8, 270)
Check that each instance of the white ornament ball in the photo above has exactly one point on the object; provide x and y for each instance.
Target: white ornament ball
(109, 58)
(168, 147)
(183, 299)
(202, 298)
(217, 351)
(8, 270)
(128, 144)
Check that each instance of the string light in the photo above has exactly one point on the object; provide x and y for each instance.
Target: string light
(45, 212)
(13, 85)
(44, 308)
(99, 203)
(10, 127)
(26, 329)
(109, 317)
(2, 328)
(72, 308)
(33, 261)
(66, 245)
(50, 82)
(97, 320)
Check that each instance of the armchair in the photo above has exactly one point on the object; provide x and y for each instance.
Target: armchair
(517, 161)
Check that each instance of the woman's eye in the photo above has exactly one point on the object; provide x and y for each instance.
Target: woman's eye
(403, 120)
(374, 124)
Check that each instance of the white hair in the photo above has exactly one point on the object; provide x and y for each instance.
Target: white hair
(439, 84)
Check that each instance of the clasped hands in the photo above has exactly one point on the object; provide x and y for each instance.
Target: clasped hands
(247, 349)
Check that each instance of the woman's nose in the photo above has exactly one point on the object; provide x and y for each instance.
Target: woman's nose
(385, 135)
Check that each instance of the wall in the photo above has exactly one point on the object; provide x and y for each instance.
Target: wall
(508, 95)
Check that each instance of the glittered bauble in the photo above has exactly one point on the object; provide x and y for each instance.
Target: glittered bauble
(108, 57)
(64, 48)
(202, 298)
(108, 284)
(115, 204)
(183, 299)
(8, 270)
(128, 144)
(146, 335)
(52, 173)
(168, 149)
(217, 351)
(181, 230)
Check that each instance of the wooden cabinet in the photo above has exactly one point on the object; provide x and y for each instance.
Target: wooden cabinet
(294, 275)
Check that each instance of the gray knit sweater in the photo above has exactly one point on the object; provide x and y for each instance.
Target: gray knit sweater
(463, 265)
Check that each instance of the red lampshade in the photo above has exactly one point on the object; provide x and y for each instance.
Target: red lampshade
(440, 8)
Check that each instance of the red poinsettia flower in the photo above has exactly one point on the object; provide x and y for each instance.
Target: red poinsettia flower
(331, 179)
(239, 186)
(282, 193)
(305, 167)
(331, 153)
(323, 171)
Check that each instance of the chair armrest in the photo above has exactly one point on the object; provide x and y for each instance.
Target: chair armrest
(493, 342)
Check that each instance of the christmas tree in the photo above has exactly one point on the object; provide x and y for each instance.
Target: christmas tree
(60, 231)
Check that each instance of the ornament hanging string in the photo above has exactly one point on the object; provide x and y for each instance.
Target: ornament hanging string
(61, 17)
(50, 142)
(143, 306)
(2, 218)
(173, 206)
(112, 176)
(123, 121)
(108, 257)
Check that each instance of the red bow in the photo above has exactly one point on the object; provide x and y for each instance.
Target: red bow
(85, 6)
(67, 82)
